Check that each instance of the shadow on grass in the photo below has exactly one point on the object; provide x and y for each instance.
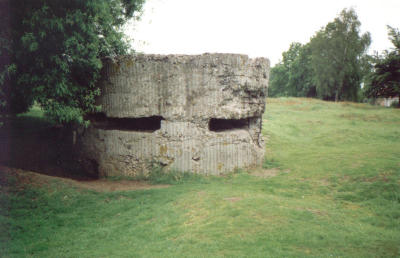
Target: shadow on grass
(33, 143)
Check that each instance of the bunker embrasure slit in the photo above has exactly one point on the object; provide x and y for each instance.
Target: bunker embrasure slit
(220, 125)
(140, 124)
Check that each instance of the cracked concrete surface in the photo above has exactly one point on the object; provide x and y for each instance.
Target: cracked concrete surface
(197, 113)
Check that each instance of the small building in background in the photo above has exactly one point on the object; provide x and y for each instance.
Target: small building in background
(387, 102)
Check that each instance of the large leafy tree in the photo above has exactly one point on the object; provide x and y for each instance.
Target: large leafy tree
(278, 80)
(301, 83)
(280, 73)
(384, 81)
(293, 76)
(5, 52)
(56, 52)
(337, 55)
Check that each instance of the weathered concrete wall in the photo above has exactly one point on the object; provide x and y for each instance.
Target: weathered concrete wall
(190, 113)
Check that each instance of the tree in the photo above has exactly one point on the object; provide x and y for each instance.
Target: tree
(301, 83)
(278, 80)
(56, 53)
(384, 81)
(293, 76)
(337, 53)
(5, 51)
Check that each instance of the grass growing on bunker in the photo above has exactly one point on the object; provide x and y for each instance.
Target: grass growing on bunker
(330, 186)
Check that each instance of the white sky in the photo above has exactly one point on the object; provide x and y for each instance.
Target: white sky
(254, 27)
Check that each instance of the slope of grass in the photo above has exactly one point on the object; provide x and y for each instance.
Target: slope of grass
(336, 193)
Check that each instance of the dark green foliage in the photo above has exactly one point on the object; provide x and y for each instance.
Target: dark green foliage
(337, 54)
(5, 51)
(331, 66)
(277, 81)
(293, 76)
(384, 81)
(57, 51)
(301, 76)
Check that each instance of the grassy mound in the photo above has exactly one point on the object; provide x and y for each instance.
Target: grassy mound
(330, 186)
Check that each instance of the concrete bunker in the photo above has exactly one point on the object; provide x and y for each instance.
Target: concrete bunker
(197, 113)
(220, 125)
(141, 124)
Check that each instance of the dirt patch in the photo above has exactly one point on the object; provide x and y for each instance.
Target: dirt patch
(313, 211)
(266, 173)
(291, 103)
(315, 122)
(324, 182)
(201, 193)
(233, 199)
(382, 177)
(21, 178)
(103, 185)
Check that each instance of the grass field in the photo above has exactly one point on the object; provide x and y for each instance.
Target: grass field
(329, 187)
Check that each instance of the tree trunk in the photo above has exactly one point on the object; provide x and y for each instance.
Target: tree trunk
(338, 90)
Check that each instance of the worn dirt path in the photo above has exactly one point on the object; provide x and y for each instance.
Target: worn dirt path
(22, 178)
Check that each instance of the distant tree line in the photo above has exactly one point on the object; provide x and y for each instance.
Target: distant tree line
(384, 78)
(334, 65)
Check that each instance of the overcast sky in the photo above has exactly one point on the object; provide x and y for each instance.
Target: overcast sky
(254, 27)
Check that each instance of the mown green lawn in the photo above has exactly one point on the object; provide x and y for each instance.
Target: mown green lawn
(336, 192)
